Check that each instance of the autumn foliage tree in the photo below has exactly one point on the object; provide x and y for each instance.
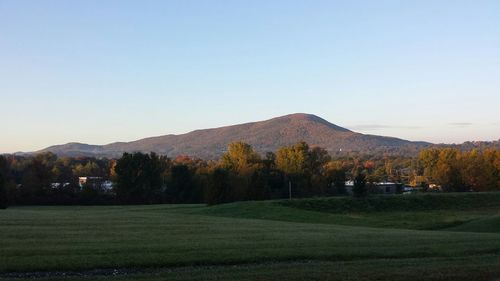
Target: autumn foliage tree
(336, 177)
(457, 170)
(240, 158)
(241, 174)
(241, 162)
(479, 171)
(304, 166)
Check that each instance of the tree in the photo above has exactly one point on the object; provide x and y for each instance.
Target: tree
(3, 189)
(292, 160)
(427, 159)
(378, 175)
(88, 169)
(218, 189)
(4, 167)
(268, 181)
(259, 185)
(269, 162)
(139, 178)
(337, 178)
(62, 171)
(317, 162)
(359, 189)
(493, 157)
(478, 173)
(35, 182)
(317, 159)
(182, 187)
(447, 171)
(240, 158)
(240, 161)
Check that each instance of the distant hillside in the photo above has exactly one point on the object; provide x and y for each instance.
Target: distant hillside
(264, 136)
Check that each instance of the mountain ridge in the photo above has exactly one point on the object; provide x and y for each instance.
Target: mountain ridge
(267, 135)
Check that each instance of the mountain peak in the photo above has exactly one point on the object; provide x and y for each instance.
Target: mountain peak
(264, 136)
(301, 117)
(306, 118)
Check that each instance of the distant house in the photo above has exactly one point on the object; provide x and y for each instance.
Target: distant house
(96, 182)
(107, 185)
(435, 187)
(82, 181)
(386, 187)
(410, 189)
(349, 185)
(377, 187)
(57, 185)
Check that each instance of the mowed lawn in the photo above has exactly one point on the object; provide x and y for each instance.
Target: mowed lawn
(249, 241)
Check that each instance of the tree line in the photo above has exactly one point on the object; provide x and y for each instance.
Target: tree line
(240, 174)
(456, 170)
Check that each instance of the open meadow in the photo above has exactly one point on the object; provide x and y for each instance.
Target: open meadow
(450, 237)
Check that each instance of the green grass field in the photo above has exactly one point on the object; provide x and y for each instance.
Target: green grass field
(455, 237)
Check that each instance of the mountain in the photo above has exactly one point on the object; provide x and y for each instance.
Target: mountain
(264, 136)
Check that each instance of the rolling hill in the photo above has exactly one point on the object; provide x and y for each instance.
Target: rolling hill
(264, 136)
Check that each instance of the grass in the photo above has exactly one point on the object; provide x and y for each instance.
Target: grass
(484, 224)
(271, 240)
(401, 203)
(406, 214)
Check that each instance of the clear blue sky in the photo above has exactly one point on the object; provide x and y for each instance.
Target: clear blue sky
(105, 71)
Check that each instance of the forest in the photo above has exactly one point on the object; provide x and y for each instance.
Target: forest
(241, 174)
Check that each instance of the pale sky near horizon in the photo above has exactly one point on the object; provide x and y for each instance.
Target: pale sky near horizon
(103, 71)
